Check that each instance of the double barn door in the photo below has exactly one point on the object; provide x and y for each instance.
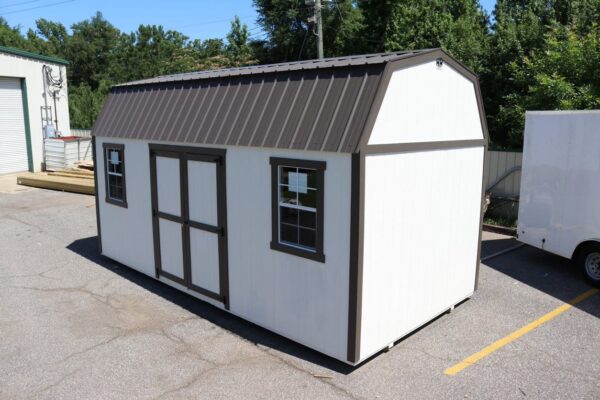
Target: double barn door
(189, 218)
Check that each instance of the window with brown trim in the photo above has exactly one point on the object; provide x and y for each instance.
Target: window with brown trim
(297, 194)
(114, 171)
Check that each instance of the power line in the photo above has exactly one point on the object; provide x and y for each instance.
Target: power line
(35, 8)
(19, 4)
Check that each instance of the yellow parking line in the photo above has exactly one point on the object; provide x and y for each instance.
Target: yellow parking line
(517, 334)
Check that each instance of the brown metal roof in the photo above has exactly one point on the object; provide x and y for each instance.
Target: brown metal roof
(317, 105)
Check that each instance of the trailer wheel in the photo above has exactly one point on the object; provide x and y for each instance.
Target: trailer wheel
(588, 261)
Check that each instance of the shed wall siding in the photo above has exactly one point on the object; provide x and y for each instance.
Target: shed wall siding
(420, 239)
(30, 69)
(304, 300)
(426, 103)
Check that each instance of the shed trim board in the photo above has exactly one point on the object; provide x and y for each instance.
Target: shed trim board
(319, 167)
(99, 239)
(143, 96)
(117, 146)
(27, 126)
(33, 56)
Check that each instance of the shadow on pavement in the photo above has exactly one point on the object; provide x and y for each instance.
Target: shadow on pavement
(546, 272)
(88, 248)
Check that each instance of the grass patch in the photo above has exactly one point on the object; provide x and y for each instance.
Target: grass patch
(501, 221)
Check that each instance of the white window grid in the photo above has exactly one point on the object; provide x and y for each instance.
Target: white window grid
(296, 206)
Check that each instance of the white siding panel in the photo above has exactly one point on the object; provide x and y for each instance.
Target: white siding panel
(420, 240)
(13, 144)
(425, 103)
(168, 187)
(302, 299)
(127, 232)
(202, 177)
(204, 248)
(171, 247)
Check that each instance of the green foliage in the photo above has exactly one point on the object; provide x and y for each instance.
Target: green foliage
(541, 58)
(458, 26)
(562, 74)
(291, 37)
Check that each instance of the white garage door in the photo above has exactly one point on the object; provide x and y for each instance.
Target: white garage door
(13, 145)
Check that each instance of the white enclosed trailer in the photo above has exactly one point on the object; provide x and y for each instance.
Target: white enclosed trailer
(558, 209)
(336, 202)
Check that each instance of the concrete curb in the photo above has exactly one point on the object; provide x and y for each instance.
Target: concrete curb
(504, 230)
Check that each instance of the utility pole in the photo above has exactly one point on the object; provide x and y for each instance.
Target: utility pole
(319, 24)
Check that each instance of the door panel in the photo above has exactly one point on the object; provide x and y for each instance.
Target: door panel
(202, 188)
(189, 218)
(204, 259)
(171, 248)
(168, 185)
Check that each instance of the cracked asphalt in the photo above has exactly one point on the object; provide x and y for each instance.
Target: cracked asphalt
(74, 325)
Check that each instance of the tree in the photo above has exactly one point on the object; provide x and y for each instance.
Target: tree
(238, 49)
(11, 37)
(90, 50)
(523, 32)
(290, 36)
(561, 75)
(458, 26)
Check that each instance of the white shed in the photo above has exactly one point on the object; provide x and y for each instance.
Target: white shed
(30, 107)
(336, 202)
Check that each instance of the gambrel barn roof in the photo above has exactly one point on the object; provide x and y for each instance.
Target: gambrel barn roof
(320, 105)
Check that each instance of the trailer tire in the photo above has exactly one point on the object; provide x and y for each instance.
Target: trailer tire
(588, 262)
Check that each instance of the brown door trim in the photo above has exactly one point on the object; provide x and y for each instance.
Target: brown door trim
(185, 154)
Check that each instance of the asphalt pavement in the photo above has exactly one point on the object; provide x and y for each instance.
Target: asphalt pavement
(75, 325)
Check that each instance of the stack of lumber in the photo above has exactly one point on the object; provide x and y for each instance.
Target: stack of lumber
(76, 180)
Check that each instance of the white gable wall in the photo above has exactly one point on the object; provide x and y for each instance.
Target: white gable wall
(427, 103)
(302, 299)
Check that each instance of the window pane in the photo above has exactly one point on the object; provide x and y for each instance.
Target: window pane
(289, 233)
(286, 196)
(115, 187)
(284, 174)
(289, 215)
(308, 219)
(312, 177)
(307, 238)
(308, 199)
(114, 160)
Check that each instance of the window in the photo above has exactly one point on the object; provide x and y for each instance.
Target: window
(297, 188)
(114, 169)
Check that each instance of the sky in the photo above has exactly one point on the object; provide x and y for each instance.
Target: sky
(197, 19)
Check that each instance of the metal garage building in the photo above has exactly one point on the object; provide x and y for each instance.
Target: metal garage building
(31, 103)
(336, 202)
